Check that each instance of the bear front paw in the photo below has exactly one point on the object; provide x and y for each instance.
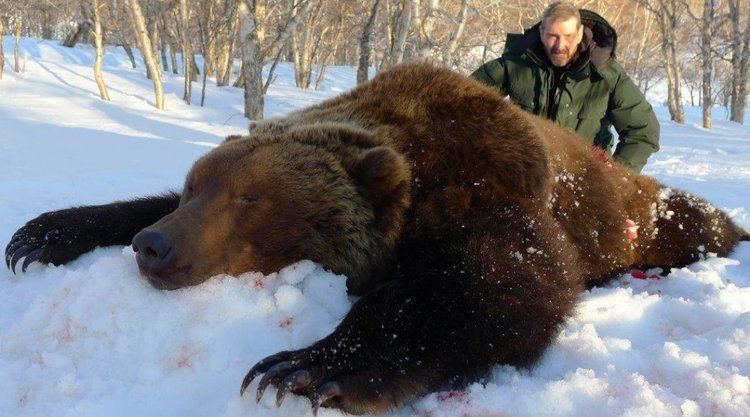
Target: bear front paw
(46, 239)
(328, 378)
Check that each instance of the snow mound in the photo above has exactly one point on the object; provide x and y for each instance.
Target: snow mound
(100, 341)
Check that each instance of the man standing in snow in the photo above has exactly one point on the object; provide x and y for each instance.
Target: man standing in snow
(564, 68)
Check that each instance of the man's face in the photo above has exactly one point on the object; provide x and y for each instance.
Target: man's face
(560, 39)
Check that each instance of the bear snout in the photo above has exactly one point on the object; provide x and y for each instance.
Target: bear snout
(155, 256)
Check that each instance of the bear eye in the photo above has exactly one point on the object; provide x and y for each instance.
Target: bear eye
(190, 188)
(249, 199)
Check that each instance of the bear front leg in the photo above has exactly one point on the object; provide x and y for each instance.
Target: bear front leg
(409, 338)
(59, 237)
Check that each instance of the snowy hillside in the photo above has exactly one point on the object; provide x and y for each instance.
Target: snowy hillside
(93, 339)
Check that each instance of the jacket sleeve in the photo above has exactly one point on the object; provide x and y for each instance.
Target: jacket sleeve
(635, 122)
(491, 73)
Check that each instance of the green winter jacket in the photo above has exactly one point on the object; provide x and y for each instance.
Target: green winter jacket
(592, 94)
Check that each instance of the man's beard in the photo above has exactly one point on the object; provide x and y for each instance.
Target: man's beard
(560, 58)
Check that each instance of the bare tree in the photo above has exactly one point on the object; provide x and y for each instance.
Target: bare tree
(456, 34)
(2, 54)
(253, 56)
(97, 30)
(17, 46)
(707, 67)
(667, 15)
(304, 44)
(136, 15)
(364, 44)
(187, 50)
(404, 22)
(80, 29)
(740, 43)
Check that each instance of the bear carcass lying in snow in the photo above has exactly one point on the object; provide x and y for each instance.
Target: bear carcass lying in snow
(468, 226)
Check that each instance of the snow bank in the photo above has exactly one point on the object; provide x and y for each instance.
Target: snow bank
(93, 339)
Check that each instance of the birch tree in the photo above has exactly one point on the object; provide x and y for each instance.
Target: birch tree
(144, 43)
(456, 34)
(667, 15)
(254, 54)
(17, 45)
(402, 30)
(365, 41)
(740, 41)
(98, 42)
(187, 50)
(2, 54)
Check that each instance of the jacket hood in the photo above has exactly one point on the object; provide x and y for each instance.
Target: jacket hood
(598, 45)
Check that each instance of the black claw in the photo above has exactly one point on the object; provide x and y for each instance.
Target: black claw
(262, 367)
(272, 375)
(33, 256)
(12, 246)
(18, 254)
(328, 391)
(293, 382)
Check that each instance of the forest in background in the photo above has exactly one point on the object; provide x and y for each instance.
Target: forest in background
(698, 49)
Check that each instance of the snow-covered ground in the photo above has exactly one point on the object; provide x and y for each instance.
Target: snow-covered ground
(93, 339)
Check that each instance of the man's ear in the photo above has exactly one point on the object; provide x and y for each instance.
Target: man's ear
(380, 171)
(579, 35)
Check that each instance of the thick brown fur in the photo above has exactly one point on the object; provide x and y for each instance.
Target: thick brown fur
(468, 226)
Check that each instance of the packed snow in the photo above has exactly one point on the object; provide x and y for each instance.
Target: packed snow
(92, 338)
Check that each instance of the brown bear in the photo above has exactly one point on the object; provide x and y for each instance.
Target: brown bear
(468, 226)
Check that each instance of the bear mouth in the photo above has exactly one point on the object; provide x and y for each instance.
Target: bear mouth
(167, 278)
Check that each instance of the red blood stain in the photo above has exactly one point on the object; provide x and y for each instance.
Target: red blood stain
(459, 396)
(286, 322)
(602, 156)
(638, 274)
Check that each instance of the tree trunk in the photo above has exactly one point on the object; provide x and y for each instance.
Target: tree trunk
(187, 50)
(139, 23)
(97, 26)
(707, 62)
(163, 42)
(330, 52)
(252, 62)
(667, 26)
(301, 46)
(456, 35)
(129, 52)
(735, 10)
(253, 57)
(173, 57)
(365, 45)
(744, 70)
(152, 31)
(426, 28)
(46, 23)
(404, 22)
(2, 54)
(76, 32)
(17, 46)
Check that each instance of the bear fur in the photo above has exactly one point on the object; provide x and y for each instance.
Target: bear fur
(468, 226)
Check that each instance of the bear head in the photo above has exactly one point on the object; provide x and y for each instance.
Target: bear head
(330, 193)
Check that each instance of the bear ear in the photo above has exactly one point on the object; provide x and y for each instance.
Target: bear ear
(380, 171)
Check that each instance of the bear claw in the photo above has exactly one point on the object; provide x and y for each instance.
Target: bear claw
(35, 255)
(20, 253)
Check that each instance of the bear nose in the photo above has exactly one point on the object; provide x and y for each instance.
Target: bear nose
(153, 247)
